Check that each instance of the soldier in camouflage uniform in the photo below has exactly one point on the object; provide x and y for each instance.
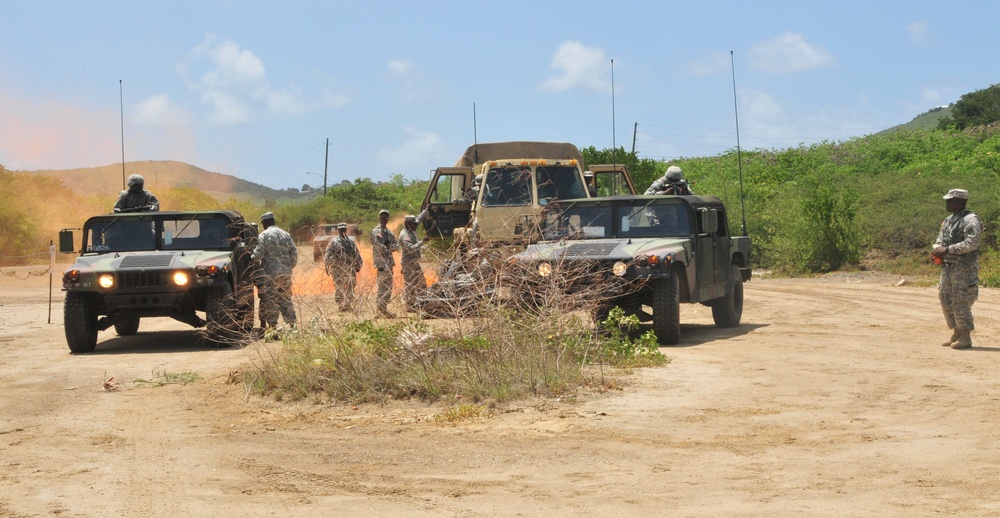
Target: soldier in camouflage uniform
(413, 274)
(343, 262)
(277, 255)
(672, 182)
(957, 250)
(135, 198)
(383, 245)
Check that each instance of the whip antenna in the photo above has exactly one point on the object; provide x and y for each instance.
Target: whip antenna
(121, 108)
(475, 137)
(614, 143)
(739, 155)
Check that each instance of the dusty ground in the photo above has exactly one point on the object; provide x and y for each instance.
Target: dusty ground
(832, 399)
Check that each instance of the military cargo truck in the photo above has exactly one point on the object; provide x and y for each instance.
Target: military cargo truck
(516, 180)
(159, 264)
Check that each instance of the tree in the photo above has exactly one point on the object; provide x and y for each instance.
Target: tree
(643, 171)
(978, 108)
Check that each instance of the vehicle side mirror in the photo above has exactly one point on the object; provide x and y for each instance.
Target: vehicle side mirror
(66, 241)
(709, 220)
(625, 225)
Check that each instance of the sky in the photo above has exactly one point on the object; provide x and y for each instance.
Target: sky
(255, 89)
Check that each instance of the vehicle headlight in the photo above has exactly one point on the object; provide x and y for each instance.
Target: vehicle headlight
(207, 271)
(106, 281)
(181, 278)
(619, 269)
(544, 269)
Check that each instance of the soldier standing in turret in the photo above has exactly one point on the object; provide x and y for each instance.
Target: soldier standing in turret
(135, 198)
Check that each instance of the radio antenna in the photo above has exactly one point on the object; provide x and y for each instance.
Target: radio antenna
(121, 108)
(739, 155)
(475, 135)
(614, 142)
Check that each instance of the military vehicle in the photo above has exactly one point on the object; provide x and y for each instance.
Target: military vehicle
(638, 252)
(516, 180)
(159, 264)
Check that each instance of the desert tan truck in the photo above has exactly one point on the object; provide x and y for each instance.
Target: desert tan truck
(496, 192)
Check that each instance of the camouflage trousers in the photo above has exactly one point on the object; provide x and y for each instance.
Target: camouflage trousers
(384, 288)
(957, 293)
(416, 284)
(344, 279)
(275, 297)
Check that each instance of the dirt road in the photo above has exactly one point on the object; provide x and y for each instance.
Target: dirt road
(832, 399)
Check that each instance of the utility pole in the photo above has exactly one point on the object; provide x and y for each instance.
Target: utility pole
(635, 129)
(326, 162)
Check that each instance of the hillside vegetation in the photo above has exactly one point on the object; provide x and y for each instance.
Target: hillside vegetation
(869, 202)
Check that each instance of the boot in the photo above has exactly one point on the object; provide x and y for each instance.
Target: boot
(964, 340)
(953, 339)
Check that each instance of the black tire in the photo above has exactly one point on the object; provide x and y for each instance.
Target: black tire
(667, 310)
(728, 310)
(220, 316)
(80, 322)
(127, 327)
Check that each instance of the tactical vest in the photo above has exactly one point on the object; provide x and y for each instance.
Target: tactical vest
(956, 233)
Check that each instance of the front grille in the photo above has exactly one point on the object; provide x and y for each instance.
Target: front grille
(153, 279)
(147, 261)
(591, 249)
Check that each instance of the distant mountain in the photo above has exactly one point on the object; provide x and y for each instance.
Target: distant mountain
(925, 121)
(165, 174)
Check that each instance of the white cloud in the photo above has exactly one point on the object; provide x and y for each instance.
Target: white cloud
(417, 147)
(159, 110)
(789, 52)
(918, 31)
(233, 82)
(759, 107)
(713, 63)
(578, 68)
(414, 86)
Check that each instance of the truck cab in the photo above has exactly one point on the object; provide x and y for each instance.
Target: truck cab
(516, 181)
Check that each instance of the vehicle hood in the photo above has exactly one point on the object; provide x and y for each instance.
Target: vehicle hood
(152, 260)
(601, 249)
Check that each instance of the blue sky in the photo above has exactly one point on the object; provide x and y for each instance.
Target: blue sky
(254, 89)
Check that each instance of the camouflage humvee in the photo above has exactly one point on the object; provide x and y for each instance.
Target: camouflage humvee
(638, 252)
(160, 264)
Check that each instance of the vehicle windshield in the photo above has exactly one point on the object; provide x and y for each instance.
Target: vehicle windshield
(559, 183)
(641, 219)
(507, 186)
(578, 222)
(654, 220)
(187, 232)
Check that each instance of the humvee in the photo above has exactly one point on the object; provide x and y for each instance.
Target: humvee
(642, 252)
(159, 264)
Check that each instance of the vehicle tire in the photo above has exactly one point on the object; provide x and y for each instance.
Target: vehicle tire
(667, 310)
(127, 327)
(80, 322)
(728, 310)
(599, 313)
(220, 315)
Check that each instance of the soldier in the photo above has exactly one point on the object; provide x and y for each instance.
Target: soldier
(383, 245)
(672, 182)
(588, 178)
(135, 198)
(343, 262)
(957, 250)
(277, 255)
(413, 274)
